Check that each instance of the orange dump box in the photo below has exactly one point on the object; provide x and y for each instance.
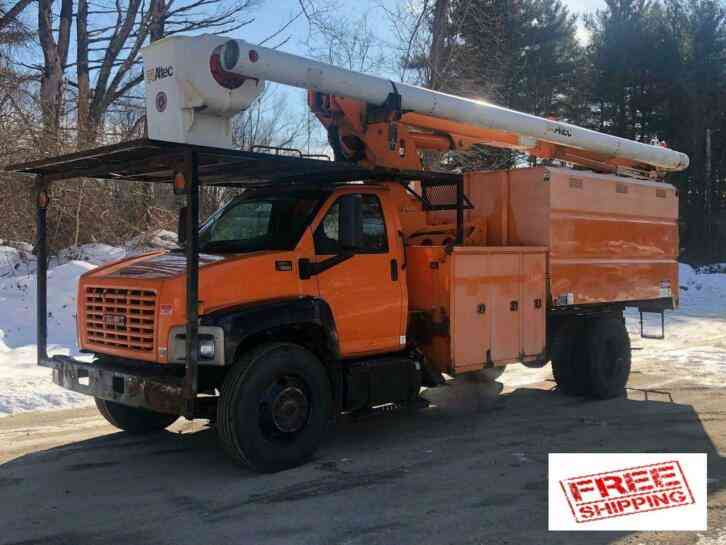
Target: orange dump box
(610, 239)
(557, 240)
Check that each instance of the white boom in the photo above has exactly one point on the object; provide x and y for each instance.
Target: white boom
(242, 58)
(202, 95)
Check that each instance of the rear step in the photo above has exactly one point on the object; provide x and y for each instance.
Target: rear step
(369, 412)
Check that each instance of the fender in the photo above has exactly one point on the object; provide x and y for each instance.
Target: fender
(241, 322)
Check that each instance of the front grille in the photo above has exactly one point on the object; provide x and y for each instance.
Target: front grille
(121, 318)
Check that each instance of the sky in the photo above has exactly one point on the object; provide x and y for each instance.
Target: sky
(272, 15)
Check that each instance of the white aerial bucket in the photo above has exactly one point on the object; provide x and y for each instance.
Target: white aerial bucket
(189, 99)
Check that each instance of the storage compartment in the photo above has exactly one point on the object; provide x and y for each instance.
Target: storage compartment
(478, 305)
(378, 381)
(610, 238)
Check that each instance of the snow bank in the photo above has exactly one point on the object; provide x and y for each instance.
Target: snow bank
(162, 239)
(23, 385)
(16, 259)
(95, 253)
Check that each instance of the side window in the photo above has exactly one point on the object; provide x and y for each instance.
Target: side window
(373, 228)
(373, 225)
(327, 235)
(244, 221)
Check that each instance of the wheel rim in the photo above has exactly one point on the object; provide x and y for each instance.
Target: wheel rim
(284, 408)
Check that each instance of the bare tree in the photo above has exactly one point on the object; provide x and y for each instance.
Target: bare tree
(344, 41)
(108, 51)
(439, 35)
(55, 45)
(9, 19)
(269, 122)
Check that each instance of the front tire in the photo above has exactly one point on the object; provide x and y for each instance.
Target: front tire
(274, 408)
(133, 419)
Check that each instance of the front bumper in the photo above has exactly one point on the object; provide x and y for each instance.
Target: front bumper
(153, 387)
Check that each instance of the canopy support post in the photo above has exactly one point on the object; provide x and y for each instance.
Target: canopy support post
(191, 376)
(41, 270)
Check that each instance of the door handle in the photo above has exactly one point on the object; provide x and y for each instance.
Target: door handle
(307, 269)
(394, 270)
(403, 249)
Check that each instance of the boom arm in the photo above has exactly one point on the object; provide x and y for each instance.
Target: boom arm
(194, 85)
(389, 138)
(440, 114)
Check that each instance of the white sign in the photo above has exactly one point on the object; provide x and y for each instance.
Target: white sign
(627, 491)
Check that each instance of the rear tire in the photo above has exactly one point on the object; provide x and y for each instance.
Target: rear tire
(592, 358)
(274, 408)
(133, 419)
(609, 357)
(568, 365)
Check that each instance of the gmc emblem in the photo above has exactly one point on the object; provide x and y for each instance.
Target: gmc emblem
(114, 320)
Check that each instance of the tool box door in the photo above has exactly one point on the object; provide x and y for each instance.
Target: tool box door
(505, 281)
(533, 304)
(470, 313)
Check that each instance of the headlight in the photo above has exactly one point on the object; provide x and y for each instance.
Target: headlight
(206, 347)
(211, 345)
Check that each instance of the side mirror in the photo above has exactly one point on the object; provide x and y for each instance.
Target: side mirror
(181, 226)
(351, 222)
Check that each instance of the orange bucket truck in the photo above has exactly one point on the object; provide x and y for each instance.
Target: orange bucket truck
(333, 287)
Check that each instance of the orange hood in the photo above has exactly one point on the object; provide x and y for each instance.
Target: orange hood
(156, 265)
(160, 277)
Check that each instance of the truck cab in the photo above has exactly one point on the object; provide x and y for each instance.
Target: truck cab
(340, 247)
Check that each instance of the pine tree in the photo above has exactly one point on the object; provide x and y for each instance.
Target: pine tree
(521, 54)
(660, 73)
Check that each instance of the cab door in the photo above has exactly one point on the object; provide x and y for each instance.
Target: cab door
(364, 289)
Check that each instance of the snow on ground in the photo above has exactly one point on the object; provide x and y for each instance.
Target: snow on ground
(695, 342)
(695, 336)
(16, 259)
(694, 347)
(23, 385)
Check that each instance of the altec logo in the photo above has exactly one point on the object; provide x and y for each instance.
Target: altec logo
(160, 72)
(563, 131)
(627, 491)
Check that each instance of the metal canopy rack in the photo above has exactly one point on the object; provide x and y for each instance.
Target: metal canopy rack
(153, 161)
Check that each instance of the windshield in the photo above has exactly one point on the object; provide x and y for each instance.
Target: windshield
(257, 222)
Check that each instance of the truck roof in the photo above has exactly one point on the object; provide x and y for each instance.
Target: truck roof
(146, 160)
